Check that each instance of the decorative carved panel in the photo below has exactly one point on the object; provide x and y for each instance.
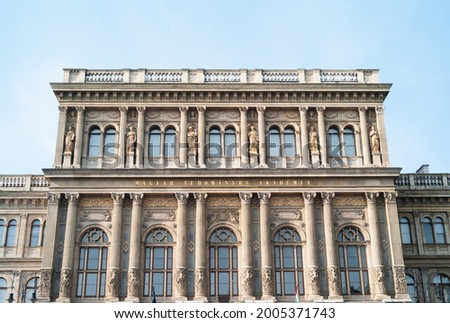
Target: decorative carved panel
(223, 201)
(349, 201)
(96, 202)
(160, 201)
(286, 200)
(344, 214)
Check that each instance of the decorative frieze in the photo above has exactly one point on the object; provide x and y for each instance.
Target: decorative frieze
(348, 214)
(103, 202)
(160, 215)
(223, 201)
(284, 200)
(160, 201)
(87, 216)
(281, 214)
(230, 216)
(357, 200)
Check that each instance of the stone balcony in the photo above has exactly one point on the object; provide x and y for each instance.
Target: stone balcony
(314, 76)
(25, 183)
(416, 181)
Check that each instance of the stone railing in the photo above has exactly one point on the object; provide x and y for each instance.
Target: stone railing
(23, 183)
(422, 181)
(220, 76)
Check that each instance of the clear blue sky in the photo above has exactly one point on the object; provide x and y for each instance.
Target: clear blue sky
(409, 41)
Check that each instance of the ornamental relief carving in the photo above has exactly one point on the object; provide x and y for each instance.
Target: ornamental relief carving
(349, 201)
(133, 282)
(200, 281)
(65, 283)
(286, 200)
(114, 282)
(223, 201)
(46, 281)
(247, 280)
(267, 281)
(152, 114)
(400, 280)
(159, 215)
(346, 214)
(286, 214)
(181, 281)
(227, 215)
(96, 202)
(95, 215)
(160, 201)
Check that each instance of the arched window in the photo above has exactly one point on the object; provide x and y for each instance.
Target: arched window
(43, 233)
(92, 264)
(3, 290)
(405, 230)
(412, 288)
(31, 290)
(223, 264)
(289, 142)
(94, 142)
(11, 233)
(428, 230)
(154, 142)
(110, 143)
(158, 263)
(2, 232)
(288, 262)
(230, 142)
(274, 142)
(353, 262)
(441, 285)
(349, 142)
(333, 142)
(214, 142)
(439, 230)
(35, 231)
(169, 142)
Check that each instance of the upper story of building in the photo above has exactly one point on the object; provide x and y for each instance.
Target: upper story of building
(221, 119)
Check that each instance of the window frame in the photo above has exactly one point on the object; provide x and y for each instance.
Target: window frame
(13, 243)
(35, 235)
(289, 152)
(274, 150)
(405, 226)
(154, 132)
(349, 132)
(230, 132)
(170, 148)
(214, 142)
(96, 133)
(333, 149)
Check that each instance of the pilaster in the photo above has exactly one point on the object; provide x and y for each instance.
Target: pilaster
(382, 134)
(183, 135)
(247, 281)
(322, 136)
(122, 131)
(304, 135)
(60, 136)
(140, 137)
(200, 247)
(266, 248)
(244, 133)
(262, 136)
(364, 135)
(78, 137)
(201, 136)
(181, 251)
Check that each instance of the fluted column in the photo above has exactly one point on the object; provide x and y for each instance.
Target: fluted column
(312, 264)
(66, 280)
(382, 134)
(334, 287)
(122, 133)
(244, 136)
(377, 269)
(200, 247)
(114, 272)
(48, 248)
(322, 136)
(396, 248)
(304, 135)
(60, 137)
(134, 272)
(247, 290)
(364, 136)
(140, 137)
(266, 247)
(183, 135)
(201, 137)
(262, 136)
(78, 137)
(181, 252)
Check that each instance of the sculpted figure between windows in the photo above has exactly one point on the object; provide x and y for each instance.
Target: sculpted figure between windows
(253, 140)
(192, 139)
(70, 140)
(374, 140)
(131, 139)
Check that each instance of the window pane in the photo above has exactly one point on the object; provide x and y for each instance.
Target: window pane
(92, 262)
(344, 283)
(110, 143)
(354, 282)
(349, 142)
(333, 142)
(11, 234)
(366, 283)
(277, 257)
(35, 230)
(439, 229)
(154, 143)
(104, 258)
(428, 230)
(301, 288)
(278, 282)
(212, 284)
(102, 284)
(91, 284)
(235, 284)
(94, 143)
(2, 231)
(363, 257)
(352, 257)
(169, 284)
(341, 257)
(2, 295)
(405, 230)
(214, 142)
(224, 259)
(146, 283)
(224, 283)
(169, 143)
(235, 260)
(230, 143)
(289, 142)
(158, 283)
(212, 259)
(158, 258)
(299, 257)
(80, 285)
(289, 283)
(288, 257)
(169, 258)
(147, 258)
(274, 142)
(82, 256)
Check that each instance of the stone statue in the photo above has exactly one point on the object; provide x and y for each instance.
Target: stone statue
(70, 140)
(192, 139)
(313, 142)
(131, 139)
(374, 140)
(253, 140)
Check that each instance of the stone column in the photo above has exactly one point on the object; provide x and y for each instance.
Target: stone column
(66, 280)
(183, 135)
(78, 138)
(60, 137)
(244, 137)
(140, 137)
(266, 248)
(334, 287)
(262, 136)
(247, 290)
(382, 134)
(304, 135)
(181, 252)
(200, 248)
(396, 248)
(48, 248)
(322, 136)
(312, 264)
(201, 137)
(114, 272)
(377, 269)
(122, 133)
(134, 271)
(364, 136)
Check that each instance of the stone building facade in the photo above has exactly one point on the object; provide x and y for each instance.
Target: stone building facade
(222, 186)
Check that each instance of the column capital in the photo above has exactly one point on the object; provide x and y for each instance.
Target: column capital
(379, 109)
(390, 197)
(327, 197)
(53, 198)
(320, 109)
(261, 109)
(264, 197)
(73, 198)
(362, 109)
(63, 108)
(80, 108)
(137, 197)
(201, 197)
(309, 197)
(140, 109)
(201, 109)
(243, 109)
(117, 197)
(245, 197)
(303, 109)
(371, 197)
(182, 197)
(183, 108)
(123, 109)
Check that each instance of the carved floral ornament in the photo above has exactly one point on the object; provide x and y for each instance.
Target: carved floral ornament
(161, 215)
(231, 216)
(346, 214)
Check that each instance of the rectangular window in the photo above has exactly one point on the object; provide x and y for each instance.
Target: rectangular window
(301, 289)
(352, 257)
(169, 284)
(288, 257)
(91, 285)
(158, 283)
(80, 285)
(224, 259)
(224, 283)
(355, 283)
(158, 258)
(92, 261)
(289, 283)
(278, 282)
(212, 284)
